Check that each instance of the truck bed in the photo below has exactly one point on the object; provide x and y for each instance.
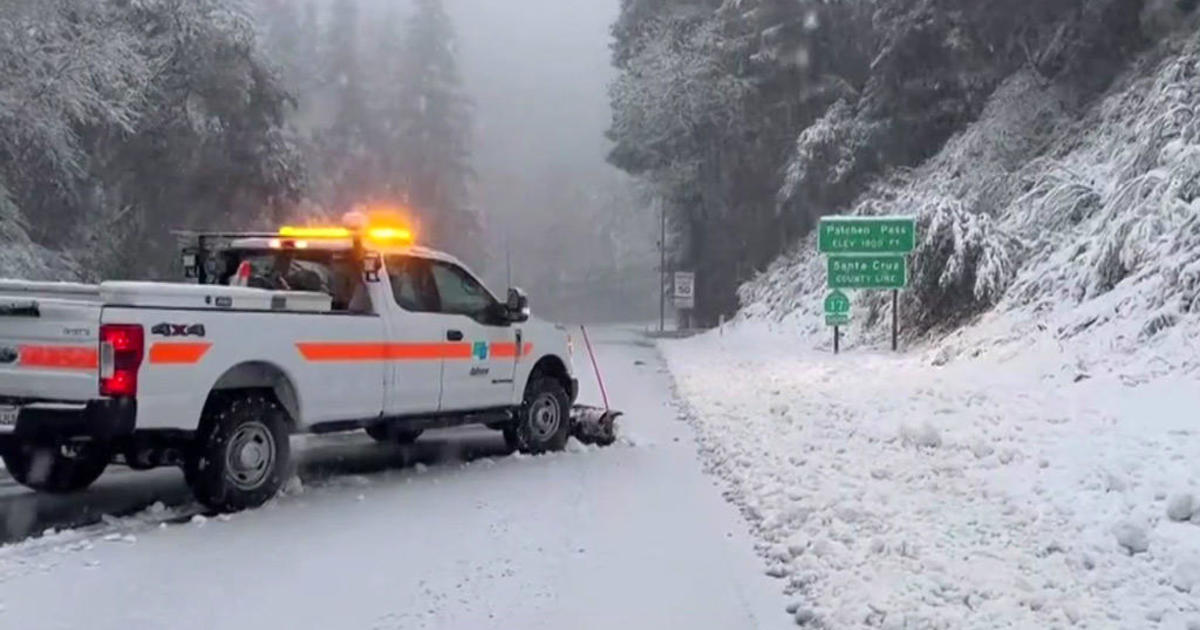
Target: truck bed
(49, 331)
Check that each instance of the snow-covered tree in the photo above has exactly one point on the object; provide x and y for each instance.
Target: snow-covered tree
(804, 104)
(211, 149)
(345, 158)
(432, 117)
(69, 66)
(122, 120)
(964, 263)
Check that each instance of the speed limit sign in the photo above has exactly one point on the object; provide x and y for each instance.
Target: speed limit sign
(685, 290)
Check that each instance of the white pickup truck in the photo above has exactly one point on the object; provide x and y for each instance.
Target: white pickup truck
(299, 331)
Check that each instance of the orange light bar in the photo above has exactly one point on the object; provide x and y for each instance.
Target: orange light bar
(382, 234)
(315, 232)
(378, 234)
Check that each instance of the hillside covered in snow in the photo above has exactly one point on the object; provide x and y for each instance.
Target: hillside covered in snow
(1081, 219)
(1030, 460)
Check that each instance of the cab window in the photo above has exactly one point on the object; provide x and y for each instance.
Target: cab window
(412, 284)
(460, 293)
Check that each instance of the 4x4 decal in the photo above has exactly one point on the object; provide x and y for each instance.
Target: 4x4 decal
(178, 330)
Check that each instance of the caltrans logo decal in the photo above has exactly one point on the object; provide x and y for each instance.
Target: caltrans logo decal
(480, 351)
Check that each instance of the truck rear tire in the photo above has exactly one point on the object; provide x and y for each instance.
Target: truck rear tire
(46, 468)
(544, 419)
(388, 434)
(241, 455)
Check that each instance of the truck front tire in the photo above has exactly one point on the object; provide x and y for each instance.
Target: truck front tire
(47, 468)
(241, 455)
(544, 419)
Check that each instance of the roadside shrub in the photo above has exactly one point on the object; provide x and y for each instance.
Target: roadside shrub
(962, 266)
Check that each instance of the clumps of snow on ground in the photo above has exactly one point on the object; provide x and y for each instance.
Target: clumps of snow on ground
(293, 486)
(924, 434)
(994, 491)
(1182, 507)
(575, 446)
(1132, 536)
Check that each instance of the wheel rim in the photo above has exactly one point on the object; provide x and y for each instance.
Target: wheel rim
(250, 455)
(544, 417)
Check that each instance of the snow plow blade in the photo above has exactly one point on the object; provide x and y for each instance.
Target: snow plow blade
(594, 425)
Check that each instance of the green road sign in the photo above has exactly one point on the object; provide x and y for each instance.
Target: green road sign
(867, 235)
(837, 319)
(837, 304)
(886, 271)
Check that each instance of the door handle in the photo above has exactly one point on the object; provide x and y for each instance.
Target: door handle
(454, 335)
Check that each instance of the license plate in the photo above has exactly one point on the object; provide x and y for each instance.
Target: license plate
(8, 416)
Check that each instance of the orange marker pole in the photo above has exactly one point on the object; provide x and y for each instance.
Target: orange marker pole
(595, 366)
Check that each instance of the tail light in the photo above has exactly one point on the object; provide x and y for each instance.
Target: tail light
(121, 349)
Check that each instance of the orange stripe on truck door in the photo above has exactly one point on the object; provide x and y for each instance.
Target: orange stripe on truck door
(508, 350)
(60, 357)
(503, 350)
(448, 351)
(324, 352)
(343, 351)
(170, 353)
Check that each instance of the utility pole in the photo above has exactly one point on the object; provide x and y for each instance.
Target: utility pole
(662, 267)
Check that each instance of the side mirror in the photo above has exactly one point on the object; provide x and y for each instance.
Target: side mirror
(518, 305)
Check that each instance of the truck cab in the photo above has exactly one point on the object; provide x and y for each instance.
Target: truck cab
(452, 346)
(311, 330)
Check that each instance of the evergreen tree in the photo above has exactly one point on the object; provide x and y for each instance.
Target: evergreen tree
(345, 156)
(387, 91)
(434, 125)
(121, 121)
(210, 149)
(283, 38)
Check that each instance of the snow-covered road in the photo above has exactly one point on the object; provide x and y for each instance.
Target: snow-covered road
(634, 536)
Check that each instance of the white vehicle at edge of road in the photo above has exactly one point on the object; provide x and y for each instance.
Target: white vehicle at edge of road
(331, 329)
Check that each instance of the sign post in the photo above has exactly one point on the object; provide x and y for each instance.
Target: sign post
(866, 253)
(895, 321)
(837, 314)
(685, 292)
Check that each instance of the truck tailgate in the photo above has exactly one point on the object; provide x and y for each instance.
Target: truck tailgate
(49, 345)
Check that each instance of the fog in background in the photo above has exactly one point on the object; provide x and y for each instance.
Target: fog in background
(554, 217)
(581, 241)
(538, 71)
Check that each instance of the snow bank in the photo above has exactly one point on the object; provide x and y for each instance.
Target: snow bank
(22, 258)
(997, 490)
